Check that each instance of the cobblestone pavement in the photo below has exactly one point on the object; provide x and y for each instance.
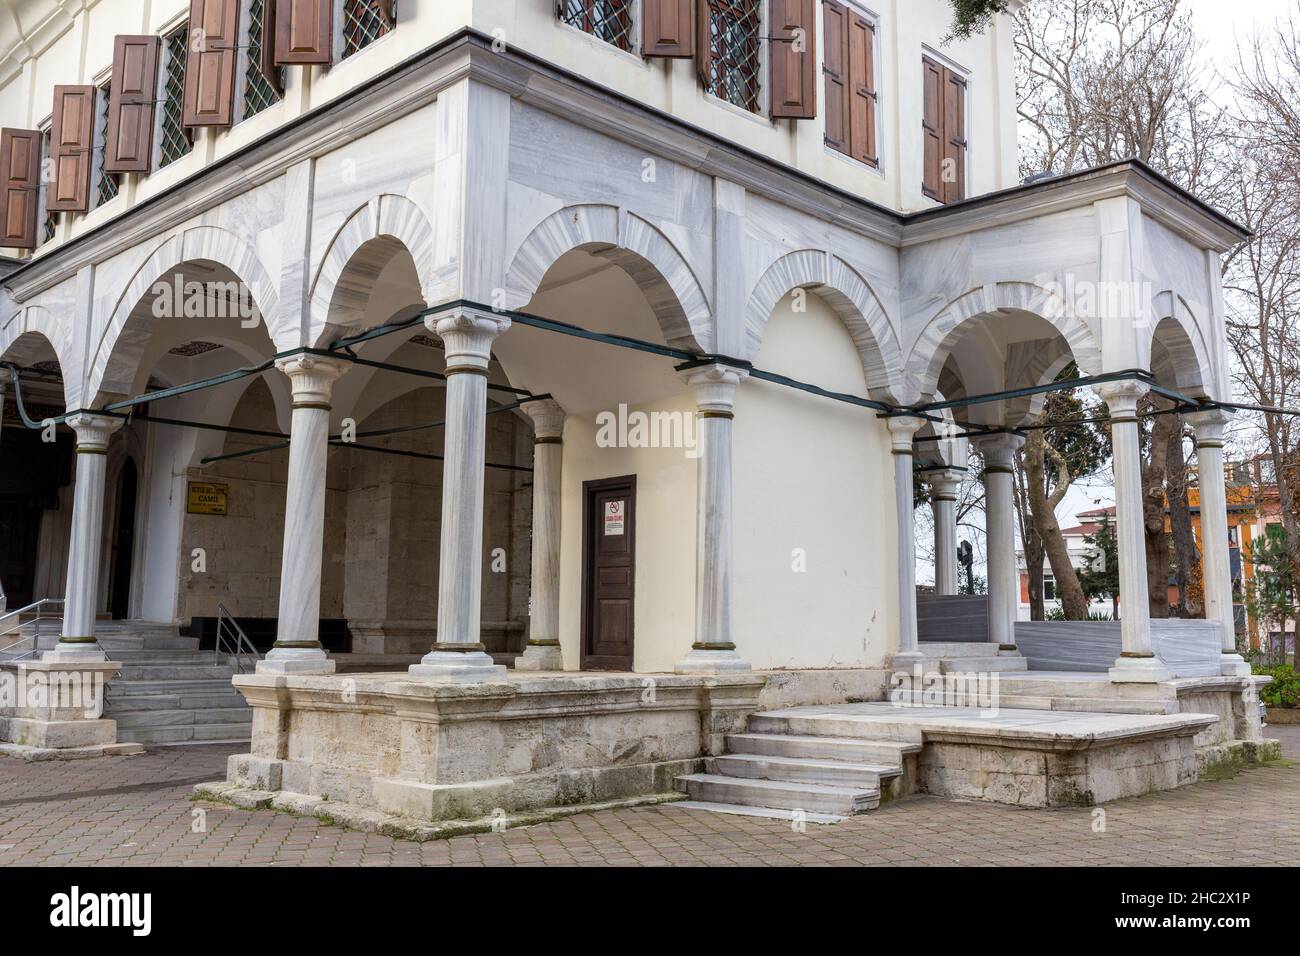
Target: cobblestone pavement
(136, 811)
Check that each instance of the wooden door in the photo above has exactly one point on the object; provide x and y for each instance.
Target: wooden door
(609, 573)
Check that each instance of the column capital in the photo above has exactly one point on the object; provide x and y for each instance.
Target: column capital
(312, 378)
(998, 451)
(1122, 397)
(548, 418)
(945, 484)
(467, 335)
(714, 385)
(1209, 426)
(902, 428)
(93, 431)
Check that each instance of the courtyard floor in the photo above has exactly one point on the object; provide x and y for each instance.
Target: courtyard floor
(136, 811)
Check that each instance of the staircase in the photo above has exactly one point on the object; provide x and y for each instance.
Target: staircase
(777, 770)
(168, 691)
(967, 658)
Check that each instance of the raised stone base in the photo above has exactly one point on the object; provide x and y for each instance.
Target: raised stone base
(53, 707)
(443, 749)
(540, 657)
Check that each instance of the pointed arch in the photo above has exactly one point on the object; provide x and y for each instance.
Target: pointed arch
(1177, 354)
(30, 331)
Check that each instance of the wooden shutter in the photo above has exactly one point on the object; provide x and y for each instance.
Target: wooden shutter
(274, 75)
(834, 66)
(20, 187)
(932, 129)
(793, 59)
(862, 89)
(704, 42)
(72, 137)
(304, 31)
(954, 137)
(668, 28)
(128, 145)
(385, 10)
(210, 66)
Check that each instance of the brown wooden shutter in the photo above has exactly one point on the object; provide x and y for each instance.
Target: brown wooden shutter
(304, 31)
(954, 137)
(210, 66)
(274, 75)
(932, 129)
(862, 90)
(72, 133)
(385, 10)
(668, 28)
(834, 65)
(20, 187)
(704, 42)
(128, 145)
(793, 59)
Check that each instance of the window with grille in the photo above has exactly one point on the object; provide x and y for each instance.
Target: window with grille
(259, 93)
(50, 221)
(611, 20)
(364, 22)
(735, 52)
(105, 183)
(173, 138)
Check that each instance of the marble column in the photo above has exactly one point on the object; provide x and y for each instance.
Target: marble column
(944, 486)
(714, 649)
(1216, 562)
(998, 452)
(543, 650)
(1138, 663)
(458, 653)
(902, 429)
(77, 642)
(297, 647)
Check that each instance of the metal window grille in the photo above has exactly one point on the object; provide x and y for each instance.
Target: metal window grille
(258, 91)
(610, 20)
(106, 188)
(174, 140)
(735, 35)
(50, 222)
(363, 24)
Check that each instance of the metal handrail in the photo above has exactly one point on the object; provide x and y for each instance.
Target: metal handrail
(242, 647)
(39, 607)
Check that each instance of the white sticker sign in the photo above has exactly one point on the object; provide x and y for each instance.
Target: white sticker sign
(614, 512)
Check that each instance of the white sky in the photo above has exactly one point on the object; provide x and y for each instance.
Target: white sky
(1222, 23)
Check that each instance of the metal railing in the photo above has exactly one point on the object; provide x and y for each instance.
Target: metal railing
(37, 614)
(233, 642)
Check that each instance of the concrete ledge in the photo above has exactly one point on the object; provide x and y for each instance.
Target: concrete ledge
(1226, 759)
(21, 752)
(370, 820)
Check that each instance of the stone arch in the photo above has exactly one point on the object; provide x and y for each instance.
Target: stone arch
(117, 352)
(941, 333)
(28, 333)
(368, 240)
(1176, 350)
(663, 275)
(849, 296)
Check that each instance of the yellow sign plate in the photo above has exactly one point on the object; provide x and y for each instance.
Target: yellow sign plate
(207, 498)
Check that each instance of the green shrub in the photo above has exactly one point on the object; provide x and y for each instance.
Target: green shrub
(1284, 690)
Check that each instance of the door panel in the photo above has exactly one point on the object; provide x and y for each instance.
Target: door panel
(609, 573)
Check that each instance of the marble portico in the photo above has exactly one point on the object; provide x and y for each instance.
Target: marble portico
(782, 544)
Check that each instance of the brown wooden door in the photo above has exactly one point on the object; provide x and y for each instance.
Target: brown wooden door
(609, 573)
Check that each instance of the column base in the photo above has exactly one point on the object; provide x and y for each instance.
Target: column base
(74, 652)
(1232, 664)
(305, 661)
(1139, 670)
(907, 660)
(540, 657)
(712, 661)
(458, 665)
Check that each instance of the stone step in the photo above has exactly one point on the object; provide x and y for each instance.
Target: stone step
(180, 718)
(129, 703)
(889, 752)
(154, 655)
(192, 734)
(937, 649)
(770, 813)
(778, 795)
(835, 726)
(975, 665)
(176, 671)
(142, 686)
(802, 770)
